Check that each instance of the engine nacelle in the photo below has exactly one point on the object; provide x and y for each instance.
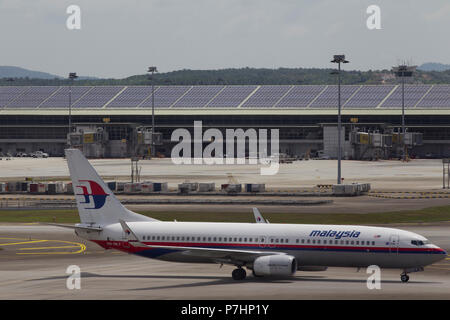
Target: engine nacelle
(275, 265)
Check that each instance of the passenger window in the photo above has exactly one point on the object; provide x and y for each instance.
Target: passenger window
(296, 240)
(271, 240)
(277, 240)
(373, 243)
(324, 241)
(214, 239)
(287, 240)
(250, 239)
(352, 242)
(240, 239)
(182, 238)
(245, 239)
(303, 240)
(153, 237)
(281, 240)
(308, 241)
(209, 238)
(318, 241)
(157, 238)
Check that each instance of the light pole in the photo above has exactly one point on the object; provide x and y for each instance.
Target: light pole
(153, 70)
(403, 71)
(339, 59)
(72, 77)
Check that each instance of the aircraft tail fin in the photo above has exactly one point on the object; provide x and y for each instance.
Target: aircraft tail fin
(96, 203)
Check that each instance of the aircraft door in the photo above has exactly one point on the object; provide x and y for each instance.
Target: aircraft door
(394, 242)
(262, 241)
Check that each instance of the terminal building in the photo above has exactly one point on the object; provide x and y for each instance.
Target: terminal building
(114, 121)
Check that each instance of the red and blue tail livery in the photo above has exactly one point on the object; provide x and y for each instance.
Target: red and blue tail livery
(97, 193)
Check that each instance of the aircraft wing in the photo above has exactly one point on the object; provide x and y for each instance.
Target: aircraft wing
(217, 255)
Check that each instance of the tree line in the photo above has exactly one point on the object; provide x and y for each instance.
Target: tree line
(244, 76)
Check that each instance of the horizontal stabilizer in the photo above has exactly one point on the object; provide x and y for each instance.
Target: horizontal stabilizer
(73, 226)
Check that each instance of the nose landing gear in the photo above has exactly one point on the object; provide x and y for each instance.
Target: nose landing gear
(404, 276)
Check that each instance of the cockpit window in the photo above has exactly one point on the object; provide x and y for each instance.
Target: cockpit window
(419, 242)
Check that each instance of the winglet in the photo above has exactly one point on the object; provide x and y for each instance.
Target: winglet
(131, 236)
(258, 216)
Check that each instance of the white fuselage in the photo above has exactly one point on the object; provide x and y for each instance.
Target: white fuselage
(311, 245)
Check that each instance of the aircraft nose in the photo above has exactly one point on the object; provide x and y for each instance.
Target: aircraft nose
(440, 254)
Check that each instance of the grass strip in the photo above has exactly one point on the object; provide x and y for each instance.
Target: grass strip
(427, 215)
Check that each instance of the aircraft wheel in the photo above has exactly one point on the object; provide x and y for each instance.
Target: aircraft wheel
(404, 278)
(239, 274)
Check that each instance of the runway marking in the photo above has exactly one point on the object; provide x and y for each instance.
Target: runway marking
(74, 245)
(18, 243)
(71, 245)
(41, 248)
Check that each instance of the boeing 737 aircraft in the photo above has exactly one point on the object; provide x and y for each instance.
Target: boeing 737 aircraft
(264, 248)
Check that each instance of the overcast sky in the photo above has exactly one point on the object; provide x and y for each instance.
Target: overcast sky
(119, 38)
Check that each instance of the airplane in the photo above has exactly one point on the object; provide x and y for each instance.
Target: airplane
(266, 249)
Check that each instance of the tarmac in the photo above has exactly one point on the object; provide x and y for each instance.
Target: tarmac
(419, 174)
(34, 260)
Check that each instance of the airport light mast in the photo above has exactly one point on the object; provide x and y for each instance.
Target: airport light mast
(153, 70)
(72, 77)
(339, 59)
(403, 71)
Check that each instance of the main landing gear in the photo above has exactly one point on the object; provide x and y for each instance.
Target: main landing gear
(404, 277)
(239, 274)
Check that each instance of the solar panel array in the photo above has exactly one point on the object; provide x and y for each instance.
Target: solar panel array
(413, 94)
(220, 96)
(300, 96)
(369, 96)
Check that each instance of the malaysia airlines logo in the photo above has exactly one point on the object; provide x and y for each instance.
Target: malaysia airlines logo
(97, 193)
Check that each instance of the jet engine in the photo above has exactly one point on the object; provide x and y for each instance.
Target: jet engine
(275, 265)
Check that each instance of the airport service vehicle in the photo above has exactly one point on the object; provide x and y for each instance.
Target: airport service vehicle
(267, 249)
(39, 154)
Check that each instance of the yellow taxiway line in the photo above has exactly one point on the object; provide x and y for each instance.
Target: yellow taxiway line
(43, 248)
(71, 245)
(18, 243)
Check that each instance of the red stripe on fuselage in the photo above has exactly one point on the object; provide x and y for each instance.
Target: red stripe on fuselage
(125, 246)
